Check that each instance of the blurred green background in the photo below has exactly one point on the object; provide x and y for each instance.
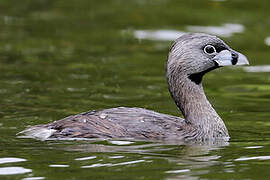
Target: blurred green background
(65, 57)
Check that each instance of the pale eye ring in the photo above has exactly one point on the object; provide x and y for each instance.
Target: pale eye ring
(209, 49)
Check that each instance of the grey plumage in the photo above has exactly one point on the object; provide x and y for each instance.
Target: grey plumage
(187, 58)
(190, 57)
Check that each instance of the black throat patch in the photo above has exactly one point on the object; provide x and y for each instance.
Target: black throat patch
(197, 77)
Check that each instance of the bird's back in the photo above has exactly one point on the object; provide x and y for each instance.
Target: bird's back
(118, 122)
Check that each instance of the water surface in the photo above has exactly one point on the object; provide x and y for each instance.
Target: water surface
(59, 58)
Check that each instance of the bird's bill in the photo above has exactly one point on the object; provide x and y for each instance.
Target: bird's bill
(224, 58)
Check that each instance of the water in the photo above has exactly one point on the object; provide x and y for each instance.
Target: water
(64, 57)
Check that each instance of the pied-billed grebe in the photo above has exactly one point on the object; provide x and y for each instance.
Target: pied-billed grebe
(190, 57)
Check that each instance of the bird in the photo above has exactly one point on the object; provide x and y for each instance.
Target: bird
(190, 57)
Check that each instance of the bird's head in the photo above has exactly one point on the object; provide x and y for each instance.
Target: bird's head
(195, 54)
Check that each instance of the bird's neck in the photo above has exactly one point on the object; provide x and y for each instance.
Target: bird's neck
(189, 96)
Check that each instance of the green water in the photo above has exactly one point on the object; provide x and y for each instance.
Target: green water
(59, 58)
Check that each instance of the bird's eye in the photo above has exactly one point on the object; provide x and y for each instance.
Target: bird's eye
(209, 49)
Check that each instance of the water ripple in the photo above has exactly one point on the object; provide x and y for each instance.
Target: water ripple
(253, 147)
(86, 158)
(14, 170)
(253, 158)
(111, 165)
(11, 160)
(58, 165)
(178, 171)
(161, 35)
(262, 68)
(116, 157)
(33, 178)
(267, 41)
(226, 30)
(121, 142)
